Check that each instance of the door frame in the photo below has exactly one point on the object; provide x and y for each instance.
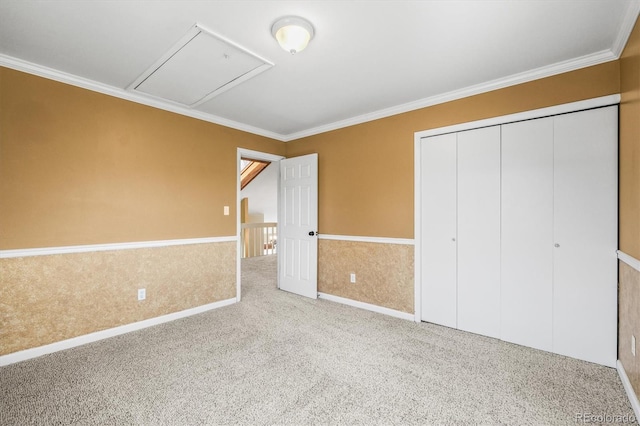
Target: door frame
(254, 155)
(504, 119)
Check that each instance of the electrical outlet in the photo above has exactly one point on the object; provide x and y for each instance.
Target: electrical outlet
(352, 278)
(142, 293)
(633, 345)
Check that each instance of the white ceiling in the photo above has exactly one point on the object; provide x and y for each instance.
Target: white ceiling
(369, 59)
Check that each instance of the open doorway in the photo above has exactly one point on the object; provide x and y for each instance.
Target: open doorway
(257, 207)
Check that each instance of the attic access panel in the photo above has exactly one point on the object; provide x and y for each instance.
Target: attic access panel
(199, 67)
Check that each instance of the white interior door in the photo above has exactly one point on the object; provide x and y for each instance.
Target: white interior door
(585, 235)
(479, 231)
(438, 199)
(298, 240)
(527, 233)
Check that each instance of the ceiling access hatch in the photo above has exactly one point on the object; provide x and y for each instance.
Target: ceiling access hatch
(199, 67)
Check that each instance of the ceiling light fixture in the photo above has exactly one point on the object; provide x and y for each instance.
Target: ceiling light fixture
(293, 33)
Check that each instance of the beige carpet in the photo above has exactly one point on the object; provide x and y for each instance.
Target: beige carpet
(277, 358)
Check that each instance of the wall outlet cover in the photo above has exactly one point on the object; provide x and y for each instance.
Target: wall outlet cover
(142, 294)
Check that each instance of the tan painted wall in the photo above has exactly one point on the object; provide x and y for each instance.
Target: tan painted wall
(366, 171)
(79, 167)
(630, 146)
(629, 290)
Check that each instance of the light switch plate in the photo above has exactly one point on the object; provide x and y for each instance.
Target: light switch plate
(142, 293)
(633, 345)
(226, 210)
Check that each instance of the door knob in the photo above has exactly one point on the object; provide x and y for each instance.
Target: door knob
(556, 245)
(453, 239)
(312, 233)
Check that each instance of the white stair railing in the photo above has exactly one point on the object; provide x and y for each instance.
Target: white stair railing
(259, 239)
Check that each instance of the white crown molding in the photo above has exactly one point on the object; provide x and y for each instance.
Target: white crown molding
(105, 334)
(631, 394)
(358, 239)
(629, 260)
(45, 251)
(367, 306)
(538, 73)
(521, 116)
(629, 20)
(63, 77)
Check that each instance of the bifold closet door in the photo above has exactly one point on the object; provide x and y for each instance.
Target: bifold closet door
(438, 205)
(585, 235)
(527, 233)
(478, 235)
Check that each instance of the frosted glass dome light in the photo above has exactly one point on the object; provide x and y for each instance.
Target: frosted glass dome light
(293, 33)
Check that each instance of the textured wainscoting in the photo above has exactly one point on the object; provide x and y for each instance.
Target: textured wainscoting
(384, 272)
(46, 299)
(629, 320)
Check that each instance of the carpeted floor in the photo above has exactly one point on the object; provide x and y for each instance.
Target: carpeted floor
(277, 358)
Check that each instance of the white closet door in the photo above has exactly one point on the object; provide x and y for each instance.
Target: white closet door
(527, 233)
(479, 231)
(585, 233)
(438, 193)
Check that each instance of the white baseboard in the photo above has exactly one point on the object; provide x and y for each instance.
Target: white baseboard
(105, 334)
(633, 398)
(367, 306)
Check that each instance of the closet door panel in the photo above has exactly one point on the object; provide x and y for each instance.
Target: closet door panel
(479, 231)
(438, 194)
(585, 234)
(527, 233)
